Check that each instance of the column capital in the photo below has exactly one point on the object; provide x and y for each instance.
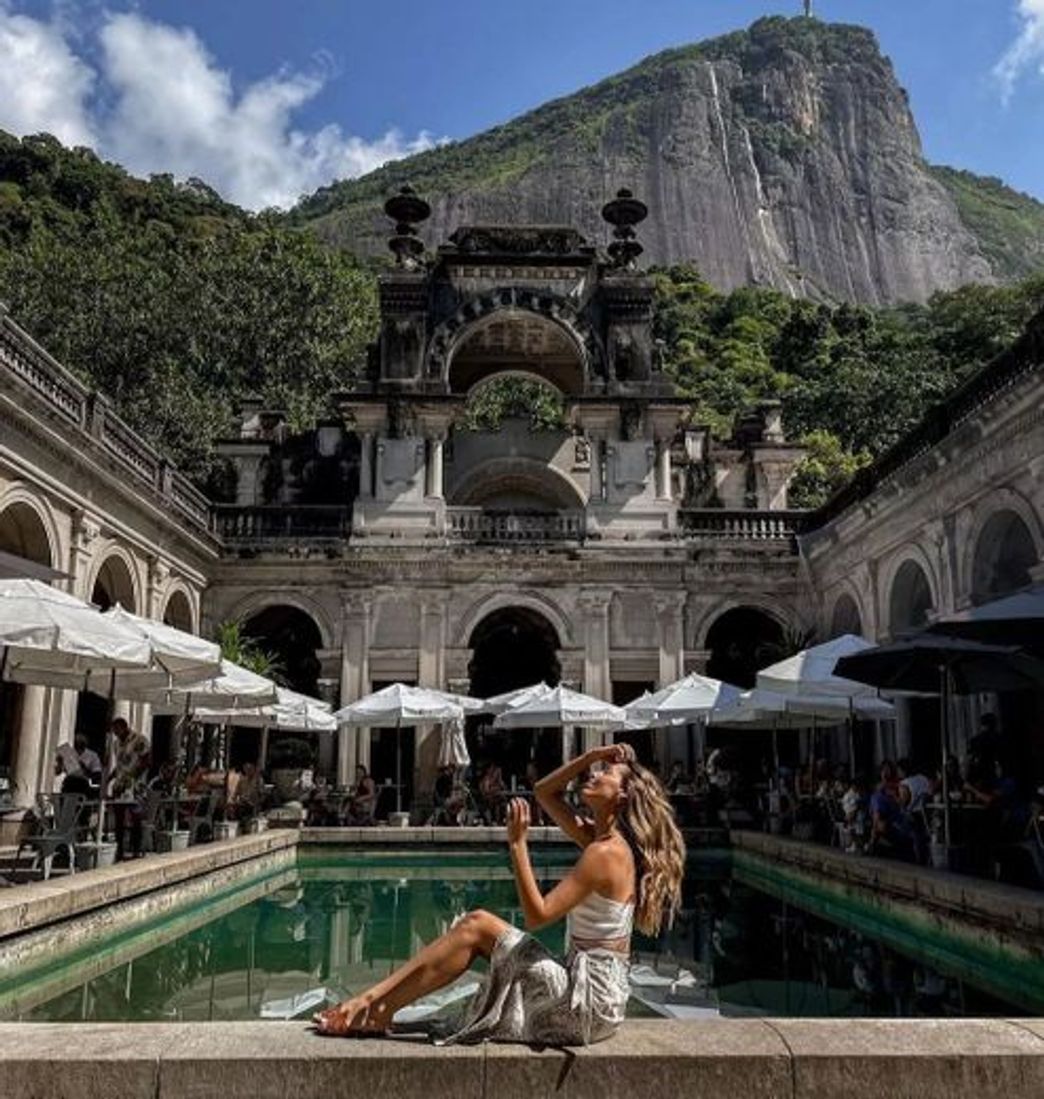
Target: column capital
(595, 602)
(356, 603)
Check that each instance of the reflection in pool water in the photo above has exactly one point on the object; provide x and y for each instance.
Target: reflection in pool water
(340, 922)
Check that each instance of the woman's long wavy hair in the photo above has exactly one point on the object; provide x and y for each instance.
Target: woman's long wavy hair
(646, 820)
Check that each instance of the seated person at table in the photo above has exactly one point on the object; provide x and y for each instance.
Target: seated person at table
(164, 780)
(67, 765)
(243, 795)
(363, 803)
(90, 761)
(854, 807)
(533, 776)
(889, 832)
(491, 792)
(449, 797)
(677, 779)
(954, 779)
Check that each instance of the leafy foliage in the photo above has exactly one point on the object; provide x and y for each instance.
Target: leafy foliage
(852, 379)
(239, 649)
(506, 396)
(174, 303)
(1008, 225)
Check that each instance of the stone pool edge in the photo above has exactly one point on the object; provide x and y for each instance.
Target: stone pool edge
(726, 1059)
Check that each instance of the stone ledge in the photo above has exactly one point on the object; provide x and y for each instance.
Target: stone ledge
(384, 836)
(24, 907)
(990, 903)
(721, 1059)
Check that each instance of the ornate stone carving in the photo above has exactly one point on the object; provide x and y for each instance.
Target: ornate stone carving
(518, 240)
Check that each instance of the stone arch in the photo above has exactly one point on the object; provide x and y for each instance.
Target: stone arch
(912, 596)
(256, 602)
(27, 528)
(700, 627)
(178, 610)
(1006, 541)
(115, 580)
(293, 638)
(741, 641)
(846, 616)
(535, 601)
(525, 476)
(515, 312)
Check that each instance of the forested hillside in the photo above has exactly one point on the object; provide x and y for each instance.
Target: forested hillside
(173, 302)
(177, 304)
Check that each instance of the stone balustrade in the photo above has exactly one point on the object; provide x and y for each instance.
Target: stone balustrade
(278, 523)
(741, 525)
(87, 412)
(475, 524)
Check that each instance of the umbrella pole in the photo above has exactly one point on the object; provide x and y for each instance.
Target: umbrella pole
(3, 672)
(944, 732)
(398, 765)
(775, 748)
(851, 740)
(107, 769)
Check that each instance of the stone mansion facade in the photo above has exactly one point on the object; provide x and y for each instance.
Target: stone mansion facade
(616, 552)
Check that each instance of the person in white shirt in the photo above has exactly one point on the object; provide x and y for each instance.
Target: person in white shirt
(90, 761)
(915, 789)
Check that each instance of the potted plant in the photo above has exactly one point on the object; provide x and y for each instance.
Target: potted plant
(91, 855)
(290, 760)
(225, 828)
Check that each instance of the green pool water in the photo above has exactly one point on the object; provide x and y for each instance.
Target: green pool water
(280, 946)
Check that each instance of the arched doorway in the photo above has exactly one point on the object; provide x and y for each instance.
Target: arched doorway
(113, 585)
(1004, 554)
(513, 647)
(22, 533)
(178, 612)
(291, 637)
(741, 642)
(846, 618)
(910, 602)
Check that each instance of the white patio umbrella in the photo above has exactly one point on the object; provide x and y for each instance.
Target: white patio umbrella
(688, 700)
(51, 638)
(291, 712)
(811, 672)
(511, 699)
(562, 708)
(453, 747)
(233, 687)
(396, 706)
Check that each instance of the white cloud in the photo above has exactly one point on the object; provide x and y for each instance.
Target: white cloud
(1026, 51)
(171, 108)
(43, 84)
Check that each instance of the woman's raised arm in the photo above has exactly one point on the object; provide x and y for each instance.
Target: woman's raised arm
(550, 790)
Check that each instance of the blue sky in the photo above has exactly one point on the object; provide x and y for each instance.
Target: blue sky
(270, 98)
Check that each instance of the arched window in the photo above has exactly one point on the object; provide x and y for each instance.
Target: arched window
(178, 612)
(1004, 554)
(911, 600)
(114, 584)
(742, 642)
(846, 618)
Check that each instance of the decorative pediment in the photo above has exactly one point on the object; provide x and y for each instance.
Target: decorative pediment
(521, 240)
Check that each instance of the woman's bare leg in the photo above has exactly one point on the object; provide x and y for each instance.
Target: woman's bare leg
(439, 963)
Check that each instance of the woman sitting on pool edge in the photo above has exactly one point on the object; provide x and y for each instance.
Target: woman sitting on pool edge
(629, 873)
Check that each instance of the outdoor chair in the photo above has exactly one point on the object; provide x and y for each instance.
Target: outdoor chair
(201, 820)
(150, 818)
(60, 834)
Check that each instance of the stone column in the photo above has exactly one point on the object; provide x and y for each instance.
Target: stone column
(430, 673)
(435, 467)
(353, 744)
(29, 742)
(366, 465)
(663, 466)
(594, 606)
(672, 642)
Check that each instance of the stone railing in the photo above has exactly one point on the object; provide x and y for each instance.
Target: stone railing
(277, 523)
(24, 362)
(740, 526)
(479, 525)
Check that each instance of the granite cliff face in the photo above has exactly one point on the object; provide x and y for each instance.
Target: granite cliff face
(784, 155)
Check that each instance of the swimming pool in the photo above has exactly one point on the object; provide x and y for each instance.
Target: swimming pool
(282, 944)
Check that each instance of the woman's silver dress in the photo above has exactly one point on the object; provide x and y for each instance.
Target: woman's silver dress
(531, 996)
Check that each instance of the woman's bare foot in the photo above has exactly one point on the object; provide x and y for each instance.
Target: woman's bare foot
(356, 1017)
